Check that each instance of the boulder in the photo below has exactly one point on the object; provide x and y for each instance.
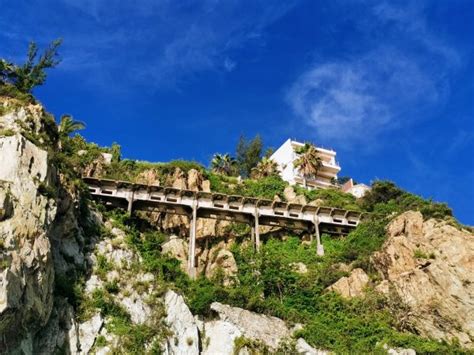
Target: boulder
(220, 259)
(148, 177)
(429, 266)
(206, 186)
(302, 347)
(398, 351)
(177, 248)
(289, 193)
(352, 285)
(137, 308)
(269, 330)
(219, 337)
(185, 337)
(299, 267)
(96, 168)
(195, 180)
(177, 180)
(88, 332)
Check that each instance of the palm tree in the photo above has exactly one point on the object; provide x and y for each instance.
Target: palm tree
(67, 126)
(265, 167)
(308, 162)
(223, 164)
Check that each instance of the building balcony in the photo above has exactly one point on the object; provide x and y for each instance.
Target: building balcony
(331, 167)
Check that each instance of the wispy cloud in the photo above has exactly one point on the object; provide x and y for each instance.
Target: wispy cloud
(161, 41)
(391, 84)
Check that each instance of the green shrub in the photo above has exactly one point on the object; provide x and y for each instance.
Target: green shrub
(219, 183)
(330, 197)
(112, 286)
(48, 190)
(11, 91)
(103, 266)
(386, 198)
(7, 132)
(100, 341)
(128, 170)
(267, 187)
(367, 238)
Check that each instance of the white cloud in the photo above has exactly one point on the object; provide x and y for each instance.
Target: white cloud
(143, 41)
(356, 99)
(187, 38)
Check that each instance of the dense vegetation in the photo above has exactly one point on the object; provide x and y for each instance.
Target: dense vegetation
(268, 283)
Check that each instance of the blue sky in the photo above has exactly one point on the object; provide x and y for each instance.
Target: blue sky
(388, 85)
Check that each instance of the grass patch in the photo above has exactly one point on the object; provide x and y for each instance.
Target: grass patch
(7, 132)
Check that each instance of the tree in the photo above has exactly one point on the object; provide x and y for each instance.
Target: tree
(67, 126)
(269, 152)
(308, 162)
(116, 151)
(248, 154)
(32, 73)
(265, 168)
(223, 164)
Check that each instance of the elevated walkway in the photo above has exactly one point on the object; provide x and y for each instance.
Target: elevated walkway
(199, 204)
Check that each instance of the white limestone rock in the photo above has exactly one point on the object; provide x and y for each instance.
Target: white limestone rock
(302, 347)
(185, 338)
(93, 283)
(398, 351)
(139, 311)
(299, 267)
(220, 337)
(88, 332)
(269, 330)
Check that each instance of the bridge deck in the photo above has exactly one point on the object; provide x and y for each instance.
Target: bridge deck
(199, 204)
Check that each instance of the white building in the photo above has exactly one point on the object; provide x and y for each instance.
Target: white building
(357, 190)
(286, 155)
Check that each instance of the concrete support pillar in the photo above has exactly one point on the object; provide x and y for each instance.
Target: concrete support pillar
(319, 245)
(192, 243)
(252, 235)
(130, 202)
(257, 231)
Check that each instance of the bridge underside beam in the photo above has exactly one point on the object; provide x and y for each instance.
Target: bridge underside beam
(128, 200)
(224, 215)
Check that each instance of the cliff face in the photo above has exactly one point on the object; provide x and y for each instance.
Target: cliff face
(429, 266)
(26, 217)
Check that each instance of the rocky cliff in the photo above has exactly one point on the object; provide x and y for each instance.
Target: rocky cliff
(429, 267)
(27, 213)
(76, 279)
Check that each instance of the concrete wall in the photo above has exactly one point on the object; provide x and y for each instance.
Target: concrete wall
(284, 157)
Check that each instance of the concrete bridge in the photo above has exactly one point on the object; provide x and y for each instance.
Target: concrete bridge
(199, 204)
